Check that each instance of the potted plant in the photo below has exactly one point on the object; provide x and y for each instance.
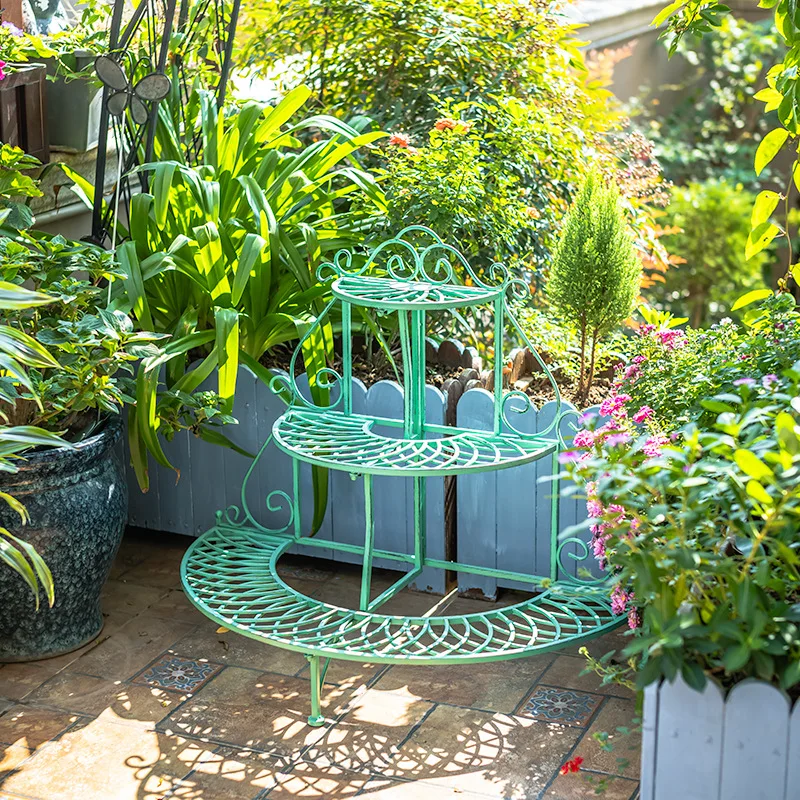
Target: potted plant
(694, 499)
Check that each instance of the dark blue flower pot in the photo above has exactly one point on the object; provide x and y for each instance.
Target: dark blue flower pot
(77, 501)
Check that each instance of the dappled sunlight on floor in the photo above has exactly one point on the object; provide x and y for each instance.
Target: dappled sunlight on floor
(165, 705)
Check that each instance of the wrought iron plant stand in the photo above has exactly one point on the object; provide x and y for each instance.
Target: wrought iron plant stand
(230, 573)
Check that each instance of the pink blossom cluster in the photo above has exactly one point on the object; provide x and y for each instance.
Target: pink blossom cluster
(621, 603)
(653, 447)
(672, 338)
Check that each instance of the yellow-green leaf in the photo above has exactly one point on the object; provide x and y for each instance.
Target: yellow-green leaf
(667, 12)
(751, 297)
(760, 238)
(769, 147)
(766, 202)
(759, 493)
(752, 465)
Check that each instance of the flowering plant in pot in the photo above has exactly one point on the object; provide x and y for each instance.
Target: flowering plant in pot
(74, 497)
(694, 504)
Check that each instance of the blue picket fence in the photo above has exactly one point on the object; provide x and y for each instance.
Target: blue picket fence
(503, 518)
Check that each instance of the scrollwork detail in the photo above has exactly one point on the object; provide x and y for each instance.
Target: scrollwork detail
(583, 554)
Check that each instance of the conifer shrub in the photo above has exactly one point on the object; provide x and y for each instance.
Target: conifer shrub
(595, 276)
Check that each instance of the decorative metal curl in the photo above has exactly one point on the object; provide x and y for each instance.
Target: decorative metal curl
(583, 554)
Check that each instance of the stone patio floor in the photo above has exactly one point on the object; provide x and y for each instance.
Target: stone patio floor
(164, 705)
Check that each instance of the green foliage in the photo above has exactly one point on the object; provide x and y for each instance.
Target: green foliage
(714, 128)
(15, 184)
(672, 370)
(396, 61)
(595, 275)
(700, 530)
(17, 352)
(223, 256)
(698, 17)
(495, 177)
(713, 223)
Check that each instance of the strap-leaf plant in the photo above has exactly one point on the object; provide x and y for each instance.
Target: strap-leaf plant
(222, 255)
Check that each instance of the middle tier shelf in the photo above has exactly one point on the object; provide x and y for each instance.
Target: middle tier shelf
(349, 442)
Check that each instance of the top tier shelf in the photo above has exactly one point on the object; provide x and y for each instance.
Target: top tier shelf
(389, 293)
(350, 442)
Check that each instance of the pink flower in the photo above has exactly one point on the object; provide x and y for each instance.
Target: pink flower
(768, 380)
(594, 507)
(744, 382)
(645, 412)
(619, 600)
(671, 339)
(3, 73)
(599, 547)
(653, 446)
(616, 438)
(614, 405)
(634, 620)
(584, 438)
(569, 457)
(400, 140)
(639, 359)
(644, 330)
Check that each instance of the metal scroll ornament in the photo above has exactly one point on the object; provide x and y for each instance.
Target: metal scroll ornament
(124, 95)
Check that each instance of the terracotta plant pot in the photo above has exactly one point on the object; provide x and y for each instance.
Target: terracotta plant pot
(78, 503)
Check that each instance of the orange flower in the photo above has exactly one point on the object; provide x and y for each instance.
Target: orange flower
(400, 139)
(445, 124)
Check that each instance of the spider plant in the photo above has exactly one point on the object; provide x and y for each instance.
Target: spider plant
(222, 255)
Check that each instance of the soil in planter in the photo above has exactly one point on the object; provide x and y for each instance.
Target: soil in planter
(372, 367)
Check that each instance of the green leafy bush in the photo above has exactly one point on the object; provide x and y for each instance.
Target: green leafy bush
(714, 126)
(697, 521)
(595, 276)
(712, 222)
(672, 370)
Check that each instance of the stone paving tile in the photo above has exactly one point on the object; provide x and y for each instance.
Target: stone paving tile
(161, 570)
(11, 757)
(382, 789)
(203, 642)
(309, 780)
(177, 674)
(565, 671)
(497, 755)
(32, 727)
(348, 674)
(18, 680)
(578, 786)
(131, 648)
(246, 708)
(129, 599)
(105, 760)
(94, 696)
(615, 713)
(176, 606)
(498, 686)
(565, 706)
(370, 733)
(225, 773)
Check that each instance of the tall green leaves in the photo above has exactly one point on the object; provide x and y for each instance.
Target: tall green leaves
(231, 246)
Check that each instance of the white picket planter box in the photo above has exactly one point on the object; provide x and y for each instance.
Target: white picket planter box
(709, 746)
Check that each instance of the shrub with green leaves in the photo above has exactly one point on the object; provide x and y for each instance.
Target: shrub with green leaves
(713, 222)
(595, 275)
(673, 370)
(713, 125)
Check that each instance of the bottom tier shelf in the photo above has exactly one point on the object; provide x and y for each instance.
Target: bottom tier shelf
(231, 576)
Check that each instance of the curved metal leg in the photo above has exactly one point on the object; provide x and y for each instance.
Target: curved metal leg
(316, 719)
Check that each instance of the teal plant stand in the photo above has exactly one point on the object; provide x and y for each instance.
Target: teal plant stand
(230, 572)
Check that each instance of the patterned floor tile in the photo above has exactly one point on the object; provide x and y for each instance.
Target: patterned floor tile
(178, 673)
(552, 704)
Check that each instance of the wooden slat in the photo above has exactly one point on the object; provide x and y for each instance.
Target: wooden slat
(689, 742)
(756, 741)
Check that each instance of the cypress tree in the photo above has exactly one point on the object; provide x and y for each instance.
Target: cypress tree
(595, 275)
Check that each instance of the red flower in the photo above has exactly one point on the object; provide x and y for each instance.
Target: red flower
(400, 139)
(572, 766)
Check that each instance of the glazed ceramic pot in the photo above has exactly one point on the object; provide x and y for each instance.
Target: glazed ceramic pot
(78, 502)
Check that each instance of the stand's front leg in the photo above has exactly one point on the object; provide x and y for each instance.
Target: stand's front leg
(316, 719)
